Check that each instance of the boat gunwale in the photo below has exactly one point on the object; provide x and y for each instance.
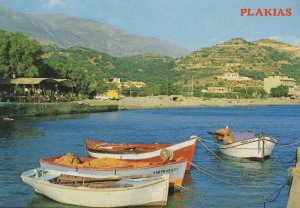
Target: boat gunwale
(89, 189)
(144, 155)
(239, 143)
(115, 152)
(178, 161)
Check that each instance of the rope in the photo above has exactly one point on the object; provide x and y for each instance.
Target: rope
(210, 150)
(230, 183)
(187, 189)
(244, 176)
(214, 143)
(288, 145)
(279, 191)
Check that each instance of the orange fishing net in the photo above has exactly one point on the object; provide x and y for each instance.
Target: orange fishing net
(228, 139)
(71, 160)
(223, 132)
(112, 163)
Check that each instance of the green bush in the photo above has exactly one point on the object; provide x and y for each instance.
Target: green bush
(252, 74)
(280, 91)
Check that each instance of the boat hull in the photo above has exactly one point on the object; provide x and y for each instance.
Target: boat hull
(184, 149)
(176, 170)
(250, 148)
(153, 192)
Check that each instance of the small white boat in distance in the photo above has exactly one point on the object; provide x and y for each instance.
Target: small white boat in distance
(96, 192)
(247, 145)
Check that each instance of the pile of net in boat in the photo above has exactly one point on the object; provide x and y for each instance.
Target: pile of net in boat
(225, 135)
(71, 160)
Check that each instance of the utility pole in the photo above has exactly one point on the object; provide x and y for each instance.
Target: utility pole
(192, 93)
(130, 85)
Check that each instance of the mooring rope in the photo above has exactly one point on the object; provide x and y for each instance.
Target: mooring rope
(287, 145)
(189, 190)
(230, 183)
(209, 150)
(243, 176)
(214, 143)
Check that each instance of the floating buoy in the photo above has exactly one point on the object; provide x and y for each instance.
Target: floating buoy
(166, 155)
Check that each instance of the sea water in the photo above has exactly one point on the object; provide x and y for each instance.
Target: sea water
(230, 182)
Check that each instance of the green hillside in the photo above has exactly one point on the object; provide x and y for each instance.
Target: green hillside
(252, 59)
(76, 63)
(162, 75)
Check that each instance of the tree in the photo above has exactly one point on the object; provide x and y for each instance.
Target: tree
(19, 55)
(4, 54)
(24, 55)
(280, 91)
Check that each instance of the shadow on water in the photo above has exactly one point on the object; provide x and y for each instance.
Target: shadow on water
(42, 201)
(14, 133)
(39, 200)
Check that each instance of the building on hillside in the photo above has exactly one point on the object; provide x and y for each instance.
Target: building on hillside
(234, 77)
(113, 80)
(275, 81)
(120, 84)
(133, 84)
(216, 90)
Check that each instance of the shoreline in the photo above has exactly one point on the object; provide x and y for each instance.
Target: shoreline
(157, 102)
(16, 110)
(134, 103)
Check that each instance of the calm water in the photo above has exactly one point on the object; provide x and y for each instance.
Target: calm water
(24, 141)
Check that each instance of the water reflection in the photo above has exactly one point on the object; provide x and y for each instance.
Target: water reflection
(42, 201)
(14, 133)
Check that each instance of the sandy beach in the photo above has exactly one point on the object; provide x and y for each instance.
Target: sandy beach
(186, 102)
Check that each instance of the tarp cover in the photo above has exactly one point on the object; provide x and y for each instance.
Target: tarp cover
(238, 136)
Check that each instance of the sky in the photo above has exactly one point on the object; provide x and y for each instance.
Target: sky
(190, 24)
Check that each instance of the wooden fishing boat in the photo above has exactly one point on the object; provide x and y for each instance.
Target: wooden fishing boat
(96, 192)
(7, 119)
(143, 152)
(107, 167)
(247, 145)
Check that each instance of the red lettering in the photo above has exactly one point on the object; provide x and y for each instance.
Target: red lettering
(243, 11)
(288, 12)
(259, 12)
(249, 12)
(268, 12)
(280, 13)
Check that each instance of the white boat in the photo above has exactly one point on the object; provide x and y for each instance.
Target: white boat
(95, 192)
(176, 169)
(255, 147)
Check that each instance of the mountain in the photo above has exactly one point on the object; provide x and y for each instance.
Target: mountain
(69, 31)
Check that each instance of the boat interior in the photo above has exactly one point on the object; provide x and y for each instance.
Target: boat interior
(79, 181)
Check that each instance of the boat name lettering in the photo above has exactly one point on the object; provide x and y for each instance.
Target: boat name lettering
(165, 171)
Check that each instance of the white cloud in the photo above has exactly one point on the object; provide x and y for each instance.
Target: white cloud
(288, 39)
(53, 3)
